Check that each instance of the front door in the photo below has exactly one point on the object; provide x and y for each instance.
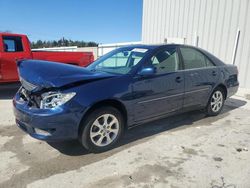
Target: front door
(162, 92)
(13, 50)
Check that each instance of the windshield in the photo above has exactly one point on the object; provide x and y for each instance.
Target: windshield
(119, 61)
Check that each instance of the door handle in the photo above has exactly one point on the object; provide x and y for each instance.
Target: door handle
(214, 73)
(178, 79)
(18, 59)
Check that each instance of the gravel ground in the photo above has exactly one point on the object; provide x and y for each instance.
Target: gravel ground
(187, 150)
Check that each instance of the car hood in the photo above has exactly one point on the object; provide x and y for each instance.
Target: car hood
(36, 74)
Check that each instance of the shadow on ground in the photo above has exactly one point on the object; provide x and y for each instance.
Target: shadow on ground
(39, 169)
(7, 91)
(180, 121)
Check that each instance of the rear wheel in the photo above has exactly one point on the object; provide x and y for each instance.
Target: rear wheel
(216, 102)
(102, 129)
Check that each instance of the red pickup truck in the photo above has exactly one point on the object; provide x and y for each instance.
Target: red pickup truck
(14, 47)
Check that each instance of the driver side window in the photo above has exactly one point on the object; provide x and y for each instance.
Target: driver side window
(12, 44)
(166, 61)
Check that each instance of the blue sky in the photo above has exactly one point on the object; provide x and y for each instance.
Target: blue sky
(102, 21)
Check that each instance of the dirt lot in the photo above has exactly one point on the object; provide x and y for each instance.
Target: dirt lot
(188, 150)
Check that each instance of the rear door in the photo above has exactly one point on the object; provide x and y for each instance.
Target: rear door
(162, 92)
(13, 50)
(201, 75)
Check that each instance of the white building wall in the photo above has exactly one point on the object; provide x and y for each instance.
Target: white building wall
(94, 50)
(215, 22)
(105, 48)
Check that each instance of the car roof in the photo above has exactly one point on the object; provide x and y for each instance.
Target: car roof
(150, 46)
(216, 60)
(11, 34)
(155, 46)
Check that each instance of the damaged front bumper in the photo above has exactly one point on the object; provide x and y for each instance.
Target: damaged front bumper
(54, 124)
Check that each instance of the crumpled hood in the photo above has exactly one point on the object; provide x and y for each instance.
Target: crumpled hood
(46, 74)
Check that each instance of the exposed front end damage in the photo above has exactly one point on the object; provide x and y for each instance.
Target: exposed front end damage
(45, 106)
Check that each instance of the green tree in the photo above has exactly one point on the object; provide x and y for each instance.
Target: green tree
(62, 42)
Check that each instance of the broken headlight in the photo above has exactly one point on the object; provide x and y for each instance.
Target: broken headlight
(54, 99)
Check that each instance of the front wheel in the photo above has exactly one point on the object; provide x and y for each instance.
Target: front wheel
(102, 129)
(216, 102)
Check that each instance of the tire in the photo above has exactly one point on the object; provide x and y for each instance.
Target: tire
(216, 102)
(102, 129)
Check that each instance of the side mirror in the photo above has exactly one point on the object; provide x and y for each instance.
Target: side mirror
(147, 71)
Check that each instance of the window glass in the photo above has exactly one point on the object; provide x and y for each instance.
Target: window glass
(209, 63)
(194, 59)
(166, 61)
(119, 61)
(12, 44)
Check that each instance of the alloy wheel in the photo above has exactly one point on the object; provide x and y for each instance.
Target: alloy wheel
(217, 101)
(104, 130)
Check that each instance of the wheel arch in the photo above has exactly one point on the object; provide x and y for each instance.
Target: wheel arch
(224, 88)
(108, 102)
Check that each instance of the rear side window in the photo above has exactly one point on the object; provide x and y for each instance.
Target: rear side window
(194, 59)
(12, 44)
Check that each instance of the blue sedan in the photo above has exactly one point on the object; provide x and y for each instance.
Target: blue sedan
(124, 88)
